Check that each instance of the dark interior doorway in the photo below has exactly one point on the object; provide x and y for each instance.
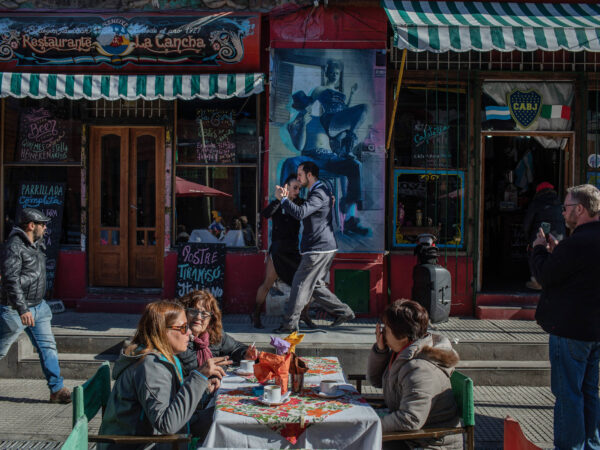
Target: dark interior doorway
(514, 166)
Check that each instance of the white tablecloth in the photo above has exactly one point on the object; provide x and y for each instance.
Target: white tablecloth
(233, 238)
(357, 427)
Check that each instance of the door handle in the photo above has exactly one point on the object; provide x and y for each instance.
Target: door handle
(133, 206)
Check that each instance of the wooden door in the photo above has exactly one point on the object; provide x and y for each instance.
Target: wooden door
(126, 206)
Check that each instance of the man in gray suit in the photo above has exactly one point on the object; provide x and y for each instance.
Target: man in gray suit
(317, 247)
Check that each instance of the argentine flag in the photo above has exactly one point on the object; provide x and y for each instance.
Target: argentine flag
(497, 113)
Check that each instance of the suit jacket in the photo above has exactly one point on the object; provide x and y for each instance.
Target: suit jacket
(316, 216)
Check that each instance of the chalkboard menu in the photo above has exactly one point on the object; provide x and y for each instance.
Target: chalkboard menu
(49, 199)
(42, 137)
(430, 146)
(201, 266)
(216, 132)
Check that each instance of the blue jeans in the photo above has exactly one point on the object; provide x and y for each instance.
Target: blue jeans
(40, 336)
(575, 366)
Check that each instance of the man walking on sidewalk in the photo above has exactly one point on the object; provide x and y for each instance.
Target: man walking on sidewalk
(317, 247)
(569, 309)
(22, 306)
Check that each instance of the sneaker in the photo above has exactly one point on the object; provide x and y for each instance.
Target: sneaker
(61, 396)
(341, 319)
(533, 285)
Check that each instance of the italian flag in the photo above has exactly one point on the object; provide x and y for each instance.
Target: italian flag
(556, 112)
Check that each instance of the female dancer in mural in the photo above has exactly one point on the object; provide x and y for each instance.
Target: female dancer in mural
(284, 256)
(330, 138)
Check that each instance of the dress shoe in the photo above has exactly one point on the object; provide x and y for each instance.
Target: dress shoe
(61, 396)
(255, 321)
(284, 330)
(533, 285)
(341, 319)
(304, 317)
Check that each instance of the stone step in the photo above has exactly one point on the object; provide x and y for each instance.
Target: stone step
(505, 312)
(507, 373)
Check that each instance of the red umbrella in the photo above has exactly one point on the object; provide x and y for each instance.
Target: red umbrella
(185, 188)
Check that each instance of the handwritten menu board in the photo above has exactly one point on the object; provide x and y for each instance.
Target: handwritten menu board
(49, 199)
(201, 266)
(216, 132)
(42, 137)
(430, 146)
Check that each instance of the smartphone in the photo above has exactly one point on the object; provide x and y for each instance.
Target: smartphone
(545, 226)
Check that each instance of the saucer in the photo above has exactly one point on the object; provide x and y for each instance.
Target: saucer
(242, 373)
(336, 394)
(284, 399)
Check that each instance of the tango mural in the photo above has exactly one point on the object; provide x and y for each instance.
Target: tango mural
(328, 106)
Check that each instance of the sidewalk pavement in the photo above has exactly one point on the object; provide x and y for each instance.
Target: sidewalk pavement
(27, 417)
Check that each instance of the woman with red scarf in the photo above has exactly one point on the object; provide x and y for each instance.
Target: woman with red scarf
(208, 338)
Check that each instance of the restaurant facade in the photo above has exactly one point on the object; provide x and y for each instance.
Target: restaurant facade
(424, 117)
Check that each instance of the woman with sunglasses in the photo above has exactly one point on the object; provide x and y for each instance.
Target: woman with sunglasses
(208, 338)
(284, 256)
(151, 395)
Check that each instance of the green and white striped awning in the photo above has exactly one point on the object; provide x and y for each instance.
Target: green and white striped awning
(129, 87)
(483, 26)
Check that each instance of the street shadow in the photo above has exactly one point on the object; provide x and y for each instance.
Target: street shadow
(22, 400)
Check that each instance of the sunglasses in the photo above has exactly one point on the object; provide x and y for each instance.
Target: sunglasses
(183, 329)
(193, 312)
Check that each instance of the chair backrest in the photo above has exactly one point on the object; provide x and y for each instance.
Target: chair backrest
(514, 438)
(92, 395)
(78, 438)
(462, 387)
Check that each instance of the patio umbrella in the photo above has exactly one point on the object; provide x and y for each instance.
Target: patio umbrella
(186, 188)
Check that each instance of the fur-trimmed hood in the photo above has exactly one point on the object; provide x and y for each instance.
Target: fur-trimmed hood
(434, 348)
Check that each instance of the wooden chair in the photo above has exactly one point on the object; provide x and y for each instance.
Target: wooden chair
(78, 438)
(93, 395)
(514, 438)
(462, 388)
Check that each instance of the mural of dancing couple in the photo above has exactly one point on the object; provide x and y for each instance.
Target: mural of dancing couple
(328, 106)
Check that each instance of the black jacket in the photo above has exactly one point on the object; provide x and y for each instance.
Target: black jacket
(316, 216)
(227, 347)
(569, 305)
(544, 207)
(23, 272)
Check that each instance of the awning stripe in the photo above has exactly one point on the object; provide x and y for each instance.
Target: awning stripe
(130, 87)
(460, 26)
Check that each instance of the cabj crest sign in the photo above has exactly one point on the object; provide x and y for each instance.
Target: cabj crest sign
(525, 107)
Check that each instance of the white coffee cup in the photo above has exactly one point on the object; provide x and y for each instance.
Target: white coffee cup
(329, 387)
(247, 365)
(273, 393)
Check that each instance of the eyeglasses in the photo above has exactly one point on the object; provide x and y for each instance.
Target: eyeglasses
(564, 207)
(193, 312)
(181, 328)
(43, 224)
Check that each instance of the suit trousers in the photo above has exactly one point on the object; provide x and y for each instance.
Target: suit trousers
(310, 280)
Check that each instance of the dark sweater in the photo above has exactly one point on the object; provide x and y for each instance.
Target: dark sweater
(569, 305)
(227, 347)
(285, 228)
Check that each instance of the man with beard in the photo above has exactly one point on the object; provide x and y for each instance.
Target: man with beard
(22, 307)
(569, 309)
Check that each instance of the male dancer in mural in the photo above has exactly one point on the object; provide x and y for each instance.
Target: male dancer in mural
(317, 247)
(330, 138)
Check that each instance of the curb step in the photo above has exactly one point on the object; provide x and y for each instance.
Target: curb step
(505, 312)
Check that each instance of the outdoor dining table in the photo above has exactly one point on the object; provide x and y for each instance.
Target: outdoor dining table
(307, 420)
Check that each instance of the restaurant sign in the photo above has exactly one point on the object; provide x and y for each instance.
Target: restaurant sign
(222, 41)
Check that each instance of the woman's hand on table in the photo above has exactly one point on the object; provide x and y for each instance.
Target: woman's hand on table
(215, 384)
(213, 367)
(251, 353)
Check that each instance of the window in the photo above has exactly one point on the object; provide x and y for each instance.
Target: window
(429, 201)
(592, 156)
(216, 167)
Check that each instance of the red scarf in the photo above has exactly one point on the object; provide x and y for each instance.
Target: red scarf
(201, 344)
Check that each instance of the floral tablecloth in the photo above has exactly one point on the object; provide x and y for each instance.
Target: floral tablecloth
(305, 421)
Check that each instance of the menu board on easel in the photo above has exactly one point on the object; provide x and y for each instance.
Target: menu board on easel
(216, 132)
(42, 137)
(49, 199)
(201, 266)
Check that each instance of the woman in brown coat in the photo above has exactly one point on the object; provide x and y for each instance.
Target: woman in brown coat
(414, 369)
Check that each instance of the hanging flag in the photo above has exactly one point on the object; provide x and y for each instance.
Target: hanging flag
(556, 112)
(497, 113)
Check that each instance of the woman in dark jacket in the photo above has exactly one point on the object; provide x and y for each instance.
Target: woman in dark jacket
(208, 338)
(284, 256)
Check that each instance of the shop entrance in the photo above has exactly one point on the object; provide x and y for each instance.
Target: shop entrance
(514, 163)
(126, 206)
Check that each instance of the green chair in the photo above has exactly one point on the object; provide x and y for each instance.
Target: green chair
(462, 388)
(78, 438)
(93, 395)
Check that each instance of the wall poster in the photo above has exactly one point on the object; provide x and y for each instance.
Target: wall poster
(328, 106)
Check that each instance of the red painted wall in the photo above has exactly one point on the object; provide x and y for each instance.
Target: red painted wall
(460, 268)
(71, 277)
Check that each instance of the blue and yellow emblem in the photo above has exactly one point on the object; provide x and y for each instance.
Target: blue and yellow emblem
(525, 107)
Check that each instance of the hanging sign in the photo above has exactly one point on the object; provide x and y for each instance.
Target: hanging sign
(222, 41)
(201, 266)
(49, 199)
